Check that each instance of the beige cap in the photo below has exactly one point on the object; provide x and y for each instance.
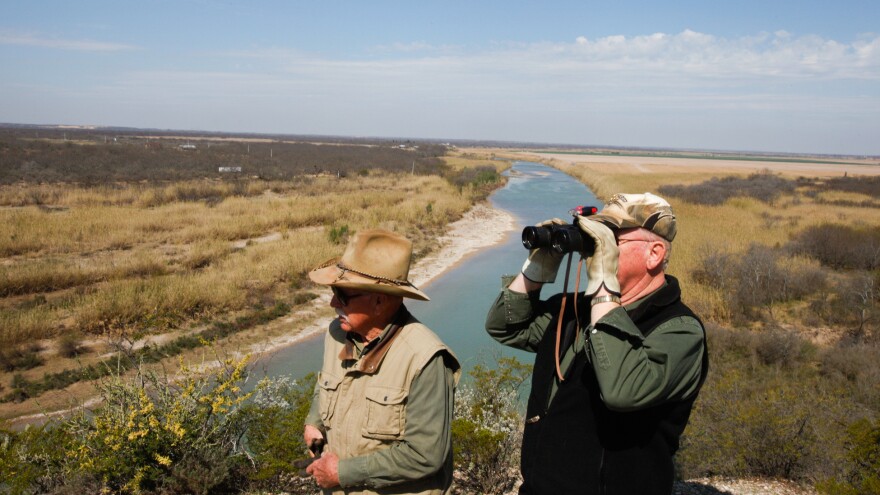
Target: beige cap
(627, 211)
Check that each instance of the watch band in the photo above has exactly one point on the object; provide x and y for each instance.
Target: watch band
(604, 299)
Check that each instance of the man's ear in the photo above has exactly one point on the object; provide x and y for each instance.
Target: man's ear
(656, 255)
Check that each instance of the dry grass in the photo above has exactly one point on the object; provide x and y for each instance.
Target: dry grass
(140, 258)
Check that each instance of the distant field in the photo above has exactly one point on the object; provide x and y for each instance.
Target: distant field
(686, 164)
(721, 156)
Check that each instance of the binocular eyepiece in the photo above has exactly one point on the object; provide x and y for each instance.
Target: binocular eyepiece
(562, 238)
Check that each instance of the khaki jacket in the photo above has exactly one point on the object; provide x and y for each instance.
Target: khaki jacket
(363, 402)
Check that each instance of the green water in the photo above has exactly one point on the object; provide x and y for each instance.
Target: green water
(462, 295)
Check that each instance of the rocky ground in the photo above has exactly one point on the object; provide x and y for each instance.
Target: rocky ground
(721, 486)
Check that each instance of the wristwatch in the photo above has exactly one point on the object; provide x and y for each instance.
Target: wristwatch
(604, 299)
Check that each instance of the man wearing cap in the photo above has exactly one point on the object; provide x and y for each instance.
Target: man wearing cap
(617, 366)
(384, 397)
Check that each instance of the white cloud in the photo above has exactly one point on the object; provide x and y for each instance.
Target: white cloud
(61, 44)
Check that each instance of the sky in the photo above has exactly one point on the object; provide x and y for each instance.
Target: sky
(795, 76)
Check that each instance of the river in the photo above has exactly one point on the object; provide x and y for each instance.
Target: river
(461, 296)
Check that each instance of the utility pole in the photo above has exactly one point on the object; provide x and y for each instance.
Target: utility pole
(413, 168)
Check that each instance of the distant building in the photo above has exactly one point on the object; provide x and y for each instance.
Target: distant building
(230, 169)
(187, 147)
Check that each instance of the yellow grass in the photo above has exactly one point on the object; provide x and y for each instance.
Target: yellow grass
(136, 258)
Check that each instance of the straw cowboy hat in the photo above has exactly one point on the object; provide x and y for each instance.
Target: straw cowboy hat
(374, 261)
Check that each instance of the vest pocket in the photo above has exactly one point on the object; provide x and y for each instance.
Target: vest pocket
(328, 385)
(385, 413)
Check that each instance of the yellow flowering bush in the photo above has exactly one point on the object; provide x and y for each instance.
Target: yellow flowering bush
(155, 434)
(182, 436)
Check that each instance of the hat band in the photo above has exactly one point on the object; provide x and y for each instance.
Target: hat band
(368, 275)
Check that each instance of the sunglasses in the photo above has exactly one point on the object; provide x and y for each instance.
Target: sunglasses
(342, 297)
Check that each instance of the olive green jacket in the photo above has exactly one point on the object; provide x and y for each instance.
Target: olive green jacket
(633, 371)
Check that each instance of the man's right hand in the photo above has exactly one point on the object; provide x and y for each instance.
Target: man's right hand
(312, 436)
(543, 263)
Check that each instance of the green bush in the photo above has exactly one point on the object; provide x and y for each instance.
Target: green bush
(338, 235)
(487, 429)
(155, 435)
(275, 437)
(34, 460)
(767, 415)
(863, 450)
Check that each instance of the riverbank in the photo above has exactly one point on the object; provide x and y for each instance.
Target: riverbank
(481, 227)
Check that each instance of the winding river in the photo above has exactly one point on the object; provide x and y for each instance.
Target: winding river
(461, 296)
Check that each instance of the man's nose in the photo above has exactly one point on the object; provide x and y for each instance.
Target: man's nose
(334, 302)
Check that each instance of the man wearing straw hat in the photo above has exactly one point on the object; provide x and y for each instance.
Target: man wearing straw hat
(617, 370)
(384, 398)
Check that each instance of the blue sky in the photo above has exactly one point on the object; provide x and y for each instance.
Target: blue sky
(788, 76)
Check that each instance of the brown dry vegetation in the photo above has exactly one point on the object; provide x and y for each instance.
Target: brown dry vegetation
(117, 262)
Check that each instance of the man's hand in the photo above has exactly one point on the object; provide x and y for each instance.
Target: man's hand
(325, 470)
(543, 263)
(312, 435)
(602, 266)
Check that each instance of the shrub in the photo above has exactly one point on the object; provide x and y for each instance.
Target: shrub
(487, 429)
(154, 435)
(275, 437)
(839, 246)
(777, 347)
(762, 186)
(855, 366)
(35, 459)
(70, 345)
(338, 235)
(758, 278)
(751, 422)
(19, 358)
(863, 450)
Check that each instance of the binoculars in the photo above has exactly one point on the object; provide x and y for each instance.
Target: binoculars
(563, 239)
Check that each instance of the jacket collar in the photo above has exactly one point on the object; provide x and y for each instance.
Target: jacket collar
(664, 296)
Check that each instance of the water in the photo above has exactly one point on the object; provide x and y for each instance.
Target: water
(461, 297)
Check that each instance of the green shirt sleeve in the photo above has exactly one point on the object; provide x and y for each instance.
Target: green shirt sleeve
(427, 441)
(518, 320)
(635, 372)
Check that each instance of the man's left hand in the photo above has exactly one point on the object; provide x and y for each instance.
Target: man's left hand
(326, 470)
(602, 266)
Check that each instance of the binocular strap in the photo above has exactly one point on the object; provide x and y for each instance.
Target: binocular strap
(577, 327)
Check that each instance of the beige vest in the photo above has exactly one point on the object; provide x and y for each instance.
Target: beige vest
(363, 407)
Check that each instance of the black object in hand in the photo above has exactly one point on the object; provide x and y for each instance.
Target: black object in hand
(317, 448)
